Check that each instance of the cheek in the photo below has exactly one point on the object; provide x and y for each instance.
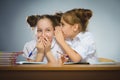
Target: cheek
(50, 36)
(65, 31)
(38, 35)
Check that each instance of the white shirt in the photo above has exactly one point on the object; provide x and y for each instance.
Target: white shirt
(84, 45)
(29, 46)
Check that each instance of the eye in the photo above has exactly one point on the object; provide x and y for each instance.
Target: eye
(39, 30)
(48, 30)
(62, 24)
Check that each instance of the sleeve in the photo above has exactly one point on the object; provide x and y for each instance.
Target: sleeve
(28, 47)
(25, 50)
(86, 48)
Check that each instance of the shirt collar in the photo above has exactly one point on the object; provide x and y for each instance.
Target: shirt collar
(79, 36)
(53, 42)
(76, 38)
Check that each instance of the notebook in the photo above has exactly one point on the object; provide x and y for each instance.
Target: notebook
(66, 63)
(95, 63)
(104, 63)
(26, 62)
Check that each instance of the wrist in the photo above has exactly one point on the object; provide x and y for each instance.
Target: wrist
(47, 52)
(63, 43)
(40, 51)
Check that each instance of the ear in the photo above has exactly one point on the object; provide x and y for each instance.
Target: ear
(75, 27)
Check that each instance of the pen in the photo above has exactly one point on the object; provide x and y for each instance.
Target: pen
(59, 52)
(62, 54)
(31, 52)
(64, 57)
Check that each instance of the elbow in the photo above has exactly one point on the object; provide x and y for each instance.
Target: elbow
(77, 59)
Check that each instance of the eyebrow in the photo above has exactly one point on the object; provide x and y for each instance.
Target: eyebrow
(61, 22)
(45, 28)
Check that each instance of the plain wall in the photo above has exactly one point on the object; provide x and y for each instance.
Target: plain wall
(15, 32)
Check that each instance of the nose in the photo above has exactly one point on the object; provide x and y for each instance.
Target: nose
(43, 33)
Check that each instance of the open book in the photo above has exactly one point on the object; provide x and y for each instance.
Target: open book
(105, 63)
(75, 63)
(26, 62)
(95, 63)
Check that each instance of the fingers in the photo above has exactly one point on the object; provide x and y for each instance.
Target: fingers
(39, 42)
(58, 28)
(63, 57)
(43, 44)
(44, 41)
(39, 45)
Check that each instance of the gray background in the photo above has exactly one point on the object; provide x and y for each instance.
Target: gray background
(14, 31)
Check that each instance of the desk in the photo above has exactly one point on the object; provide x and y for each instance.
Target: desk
(60, 72)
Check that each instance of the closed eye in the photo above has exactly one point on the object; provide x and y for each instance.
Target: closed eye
(62, 24)
(48, 30)
(39, 30)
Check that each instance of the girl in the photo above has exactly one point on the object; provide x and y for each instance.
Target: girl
(74, 38)
(44, 48)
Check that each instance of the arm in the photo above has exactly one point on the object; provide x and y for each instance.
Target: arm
(50, 57)
(39, 57)
(74, 56)
(48, 53)
(40, 49)
(27, 50)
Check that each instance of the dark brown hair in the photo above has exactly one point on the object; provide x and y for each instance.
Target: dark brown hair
(55, 19)
(32, 20)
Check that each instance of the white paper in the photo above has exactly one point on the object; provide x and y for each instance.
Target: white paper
(105, 63)
(26, 62)
(76, 63)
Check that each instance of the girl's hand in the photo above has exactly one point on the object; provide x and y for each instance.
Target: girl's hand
(30, 60)
(63, 58)
(40, 45)
(59, 35)
(47, 44)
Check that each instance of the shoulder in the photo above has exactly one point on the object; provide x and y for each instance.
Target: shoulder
(84, 35)
(87, 38)
(29, 43)
(88, 35)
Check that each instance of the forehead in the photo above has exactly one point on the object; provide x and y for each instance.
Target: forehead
(62, 21)
(44, 23)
